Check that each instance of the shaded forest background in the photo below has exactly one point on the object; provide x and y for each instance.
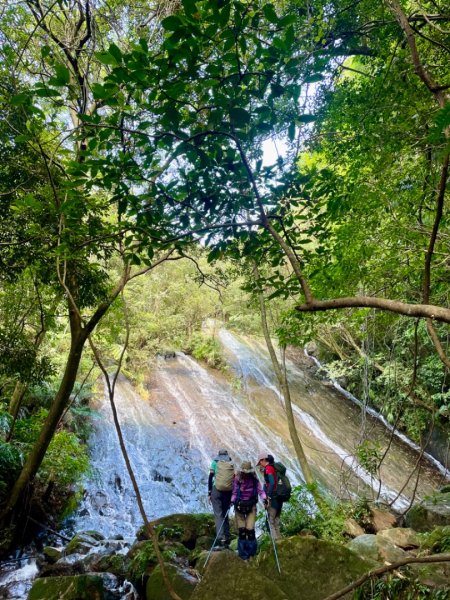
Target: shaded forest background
(136, 183)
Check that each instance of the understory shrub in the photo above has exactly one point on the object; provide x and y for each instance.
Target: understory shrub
(402, 588)
(207, 349)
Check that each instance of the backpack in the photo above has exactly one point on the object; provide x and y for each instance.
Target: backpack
(224, 476)
(246, 506)
(283, 488)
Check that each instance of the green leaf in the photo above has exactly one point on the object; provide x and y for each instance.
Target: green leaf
(62, 76)
(106, 58)
(269, 13)
(240, 116)
(224, 15)
(19, 99)
(46, 92)
(171, 23)
(116, 52)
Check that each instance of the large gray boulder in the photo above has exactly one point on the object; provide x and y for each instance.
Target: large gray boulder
(403, 537)
(429, 513)
(375, 548)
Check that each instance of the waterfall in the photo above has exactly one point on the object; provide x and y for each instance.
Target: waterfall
(192, 411)
(374, 413)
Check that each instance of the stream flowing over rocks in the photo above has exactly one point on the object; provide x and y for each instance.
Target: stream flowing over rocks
(172, 436)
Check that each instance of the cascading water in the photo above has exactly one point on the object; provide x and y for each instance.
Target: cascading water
(193, 411)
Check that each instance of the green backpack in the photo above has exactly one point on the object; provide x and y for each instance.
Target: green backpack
(284, 489)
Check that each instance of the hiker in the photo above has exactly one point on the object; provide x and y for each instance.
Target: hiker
(220, 486)
(273, 504)
(246, 489)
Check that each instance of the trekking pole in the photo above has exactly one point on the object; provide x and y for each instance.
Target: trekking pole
(218, 533)
(273, 542)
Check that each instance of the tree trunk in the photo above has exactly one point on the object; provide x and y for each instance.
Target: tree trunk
(284, 385)
(60, 402)
(16, 399)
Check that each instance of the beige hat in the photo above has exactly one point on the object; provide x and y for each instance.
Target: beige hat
(246, 467)
(262, 456)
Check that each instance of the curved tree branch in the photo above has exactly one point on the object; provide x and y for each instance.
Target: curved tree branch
(428, 311)
(434, 558)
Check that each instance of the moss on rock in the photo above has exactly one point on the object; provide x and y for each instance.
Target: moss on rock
(227, 576)
(319, 567)
(429, 513)
(78, 587)
(183, 583)
(117, 564)
(185, 528)
(81, 543)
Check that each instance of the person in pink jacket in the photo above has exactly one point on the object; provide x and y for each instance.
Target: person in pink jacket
(246, 489)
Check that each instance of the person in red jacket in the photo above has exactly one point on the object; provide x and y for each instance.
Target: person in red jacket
(273, 505)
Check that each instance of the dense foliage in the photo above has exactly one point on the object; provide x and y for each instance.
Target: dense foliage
(135, 183)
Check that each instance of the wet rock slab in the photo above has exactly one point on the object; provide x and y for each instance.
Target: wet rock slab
(311, 570)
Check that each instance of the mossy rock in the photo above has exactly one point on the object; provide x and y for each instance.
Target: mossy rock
(376, 548)
(95, 534)
(435, 576)
(184, 528)
(78, 587)
(320, 567)
(117, 564)
(52, 554)
(183, 583)
(197, 559)
(227, 576)
(142, 557)
(81, 543)
(437, 540)
(431, 512)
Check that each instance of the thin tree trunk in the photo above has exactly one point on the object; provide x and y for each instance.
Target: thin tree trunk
(111, 385)
(284, 385)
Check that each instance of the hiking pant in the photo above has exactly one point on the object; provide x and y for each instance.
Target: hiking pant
(248, 521)
(274, 520)
(247, 545)
(221, 502)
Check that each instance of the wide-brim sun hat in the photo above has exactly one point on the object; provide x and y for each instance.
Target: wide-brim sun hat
(246, 467)
(262, 456)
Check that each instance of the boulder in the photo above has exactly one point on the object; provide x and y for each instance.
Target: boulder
(94, 534)
(65, 566)
(185, 528)
(117, 564)
(142, 559)
(403, 537)
(375, 548)
(382, 519)
(52, 554)
(227, 576)
(435, 576)
(78, 587)
(352, 528)
(431, 512)
(311, 569)
(182, 581)
(321, 566)
(81, 543)
(90, 586)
